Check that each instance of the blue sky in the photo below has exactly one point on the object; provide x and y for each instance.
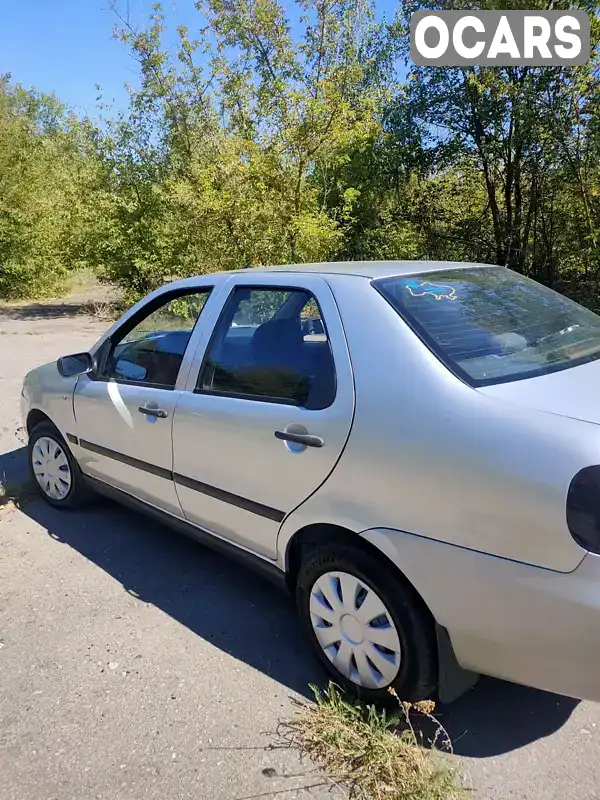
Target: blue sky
(66, 46)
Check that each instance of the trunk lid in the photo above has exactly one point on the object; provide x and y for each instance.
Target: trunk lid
(572, 392)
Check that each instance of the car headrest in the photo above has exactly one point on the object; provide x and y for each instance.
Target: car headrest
(278, 343)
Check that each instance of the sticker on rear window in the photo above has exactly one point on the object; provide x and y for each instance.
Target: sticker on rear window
(437, 290)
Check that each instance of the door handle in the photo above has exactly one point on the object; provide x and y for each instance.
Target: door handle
(307, 439)
(153, 412)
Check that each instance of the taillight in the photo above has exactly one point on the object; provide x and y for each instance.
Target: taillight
(583, 508)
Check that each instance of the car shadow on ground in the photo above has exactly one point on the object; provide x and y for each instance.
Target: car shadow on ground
(496, 717)
(13, 470)
(244, 615)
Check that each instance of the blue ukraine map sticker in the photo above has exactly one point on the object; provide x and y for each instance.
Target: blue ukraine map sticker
(437, 290)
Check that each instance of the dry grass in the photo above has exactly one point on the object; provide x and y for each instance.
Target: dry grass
(81, 286)
(106, 310)
(375, 755)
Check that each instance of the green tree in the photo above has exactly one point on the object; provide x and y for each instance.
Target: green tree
(41, 166)
(225, 156)
(523, 130)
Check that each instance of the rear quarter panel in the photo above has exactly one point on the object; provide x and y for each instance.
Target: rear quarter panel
(431, 456)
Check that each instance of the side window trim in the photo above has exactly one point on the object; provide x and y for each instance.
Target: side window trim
(134, 320)
(257, 398)
(217, 329)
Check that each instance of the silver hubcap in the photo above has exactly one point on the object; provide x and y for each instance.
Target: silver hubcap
(355, 630)
(51, 468)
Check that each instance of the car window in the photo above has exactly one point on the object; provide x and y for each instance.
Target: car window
(151, 352)
(491, 325)
(271, 344)
(258, 306)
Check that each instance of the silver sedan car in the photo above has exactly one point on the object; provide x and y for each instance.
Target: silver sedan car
(411, 448)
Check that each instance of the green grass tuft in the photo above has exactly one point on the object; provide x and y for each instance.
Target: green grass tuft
(375, 754)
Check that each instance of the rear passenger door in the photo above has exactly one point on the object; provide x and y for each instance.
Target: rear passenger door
(269, 409)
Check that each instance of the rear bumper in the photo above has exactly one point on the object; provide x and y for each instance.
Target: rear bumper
(506, 619)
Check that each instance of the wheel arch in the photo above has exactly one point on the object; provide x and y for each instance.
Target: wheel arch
(453, 679)
(317, 534)
(34, 417)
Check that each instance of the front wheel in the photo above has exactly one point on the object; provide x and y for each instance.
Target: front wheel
(54, 470)
(370, 629)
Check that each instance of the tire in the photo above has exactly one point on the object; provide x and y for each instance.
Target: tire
(53, 469)
(411, 668)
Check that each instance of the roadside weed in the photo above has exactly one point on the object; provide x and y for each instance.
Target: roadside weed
(375, 754)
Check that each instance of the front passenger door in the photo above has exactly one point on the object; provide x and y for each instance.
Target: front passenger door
(124, 415)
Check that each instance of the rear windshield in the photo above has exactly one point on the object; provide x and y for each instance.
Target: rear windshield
(491, 325)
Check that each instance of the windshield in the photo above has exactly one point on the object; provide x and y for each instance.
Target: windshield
(491, 325)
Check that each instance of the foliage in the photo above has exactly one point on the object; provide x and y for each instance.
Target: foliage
(266, 139)
(42, 176)
(523, 141)
(214, 167)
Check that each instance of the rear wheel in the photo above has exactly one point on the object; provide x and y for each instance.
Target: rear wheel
(369, 628)
(54, 470)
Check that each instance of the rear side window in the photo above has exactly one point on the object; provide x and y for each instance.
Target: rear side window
(491, 325)
(271, 345)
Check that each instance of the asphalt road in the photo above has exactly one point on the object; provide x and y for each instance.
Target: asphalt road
(135, 663)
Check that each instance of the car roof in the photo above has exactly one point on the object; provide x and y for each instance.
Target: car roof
(362, 269)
